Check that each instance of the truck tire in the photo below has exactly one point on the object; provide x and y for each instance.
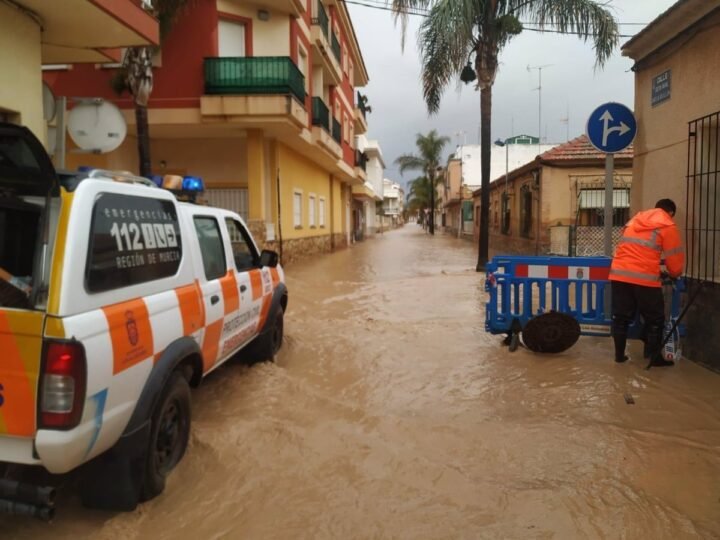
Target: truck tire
(267, 345)
(169, 435)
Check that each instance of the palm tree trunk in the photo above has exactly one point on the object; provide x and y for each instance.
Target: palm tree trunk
(485, 146)
(143, 140)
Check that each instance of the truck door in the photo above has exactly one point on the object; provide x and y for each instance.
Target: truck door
(245, 261)
(214, 265)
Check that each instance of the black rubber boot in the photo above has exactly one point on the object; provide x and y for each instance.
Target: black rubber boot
(659, 361)
(620, 342)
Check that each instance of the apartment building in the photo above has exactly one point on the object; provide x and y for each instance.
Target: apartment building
(36, 32)
(258, 99)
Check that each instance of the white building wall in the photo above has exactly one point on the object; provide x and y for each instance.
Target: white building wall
(517, 156)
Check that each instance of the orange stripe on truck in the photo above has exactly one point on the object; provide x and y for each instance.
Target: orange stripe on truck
(275, 276)
(231, 296)
(211, 344)
(264, 311)
(191, 308)
(257, 284)
(130, 332)
(19, 377)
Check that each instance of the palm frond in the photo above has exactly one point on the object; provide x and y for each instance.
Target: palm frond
(586, 18)
(445, 41)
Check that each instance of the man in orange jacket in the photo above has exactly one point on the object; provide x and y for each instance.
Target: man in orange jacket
(649, 237)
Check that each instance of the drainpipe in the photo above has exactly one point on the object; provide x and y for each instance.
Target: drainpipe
(279, 211)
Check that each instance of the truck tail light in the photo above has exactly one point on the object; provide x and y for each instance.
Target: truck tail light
(63, 385)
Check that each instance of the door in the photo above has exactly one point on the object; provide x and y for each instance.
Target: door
(246, 262)
(231, 39)
(215, 270)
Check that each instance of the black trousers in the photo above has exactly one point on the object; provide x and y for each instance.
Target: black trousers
(627, 300)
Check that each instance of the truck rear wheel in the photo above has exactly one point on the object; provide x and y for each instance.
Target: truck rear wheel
(169, 435)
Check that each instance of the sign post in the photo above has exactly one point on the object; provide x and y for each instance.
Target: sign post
(610, 128)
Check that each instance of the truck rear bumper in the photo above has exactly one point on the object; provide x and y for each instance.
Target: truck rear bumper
(18, 450)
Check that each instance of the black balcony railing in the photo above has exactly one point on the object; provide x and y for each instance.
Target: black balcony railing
(256, 75)
(320, 114)
(335, 46)
(361, 160)
(336, 131)
(322, 19)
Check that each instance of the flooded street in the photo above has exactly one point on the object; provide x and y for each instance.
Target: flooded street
(390, 413)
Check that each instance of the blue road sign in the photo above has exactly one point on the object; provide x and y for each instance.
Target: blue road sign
(611, 127)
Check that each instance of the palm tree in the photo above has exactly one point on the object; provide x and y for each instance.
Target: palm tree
(136, 76)
(454, 30)
(427, 161)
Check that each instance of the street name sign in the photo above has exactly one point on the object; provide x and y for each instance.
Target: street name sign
(611, 127)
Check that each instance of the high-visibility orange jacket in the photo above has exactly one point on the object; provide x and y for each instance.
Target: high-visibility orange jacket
(649, 237)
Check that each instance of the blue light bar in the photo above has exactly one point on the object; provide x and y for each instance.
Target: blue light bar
(193, 183)
(157, 180)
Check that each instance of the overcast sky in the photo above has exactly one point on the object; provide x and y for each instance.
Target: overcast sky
(570, 84)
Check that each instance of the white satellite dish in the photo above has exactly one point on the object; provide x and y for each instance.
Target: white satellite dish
(48, 103)
(96, 126)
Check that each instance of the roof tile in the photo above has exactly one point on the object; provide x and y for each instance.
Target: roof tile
(580, 149)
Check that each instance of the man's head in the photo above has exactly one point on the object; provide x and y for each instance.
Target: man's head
(666, 204)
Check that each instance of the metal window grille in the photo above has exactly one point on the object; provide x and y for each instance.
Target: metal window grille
(702, 212)
(235, 199)
(505, 214)
(525, 211)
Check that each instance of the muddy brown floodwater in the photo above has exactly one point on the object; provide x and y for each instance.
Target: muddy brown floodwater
(390, 413)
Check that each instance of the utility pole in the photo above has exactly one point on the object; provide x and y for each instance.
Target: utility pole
(539, 89)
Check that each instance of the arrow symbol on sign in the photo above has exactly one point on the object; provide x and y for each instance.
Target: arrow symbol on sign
(606, 118)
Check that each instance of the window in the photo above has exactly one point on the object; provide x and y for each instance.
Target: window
(525, 211)
(702, 222)
(303, 65)
(311, 210)
(211, 247)
(321, 212)
(235, 200)
(231, 38)
(297, 209)
(244, 253)
(591, 207)
(505, 213)
(132, 240)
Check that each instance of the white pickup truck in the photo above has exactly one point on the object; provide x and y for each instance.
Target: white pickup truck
(115, 299)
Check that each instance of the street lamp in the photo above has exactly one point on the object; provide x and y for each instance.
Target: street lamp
(506, 196)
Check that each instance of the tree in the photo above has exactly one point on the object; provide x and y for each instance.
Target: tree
(136, 76)
(454, 30)
(427, 161)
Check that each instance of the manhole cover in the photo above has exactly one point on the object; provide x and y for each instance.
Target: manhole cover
(551, 332)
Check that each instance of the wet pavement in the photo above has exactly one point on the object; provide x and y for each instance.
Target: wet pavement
(390, 413)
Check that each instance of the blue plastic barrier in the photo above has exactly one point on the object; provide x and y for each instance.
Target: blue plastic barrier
(522, 287)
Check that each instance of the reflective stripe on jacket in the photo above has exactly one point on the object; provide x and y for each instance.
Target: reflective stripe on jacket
(649, 237)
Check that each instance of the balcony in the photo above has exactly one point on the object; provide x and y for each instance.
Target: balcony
(322, 19)
(361, 165)
(321, 129)
(320, 37)
(257, 75)
(269, 88)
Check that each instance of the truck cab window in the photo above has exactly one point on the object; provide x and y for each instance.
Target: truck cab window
(211, 247)
(244, 254)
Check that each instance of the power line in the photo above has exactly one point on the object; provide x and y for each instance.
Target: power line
(421, 12)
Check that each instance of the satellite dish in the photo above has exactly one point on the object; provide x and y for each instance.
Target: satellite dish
(97, 126)
(48, 103)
